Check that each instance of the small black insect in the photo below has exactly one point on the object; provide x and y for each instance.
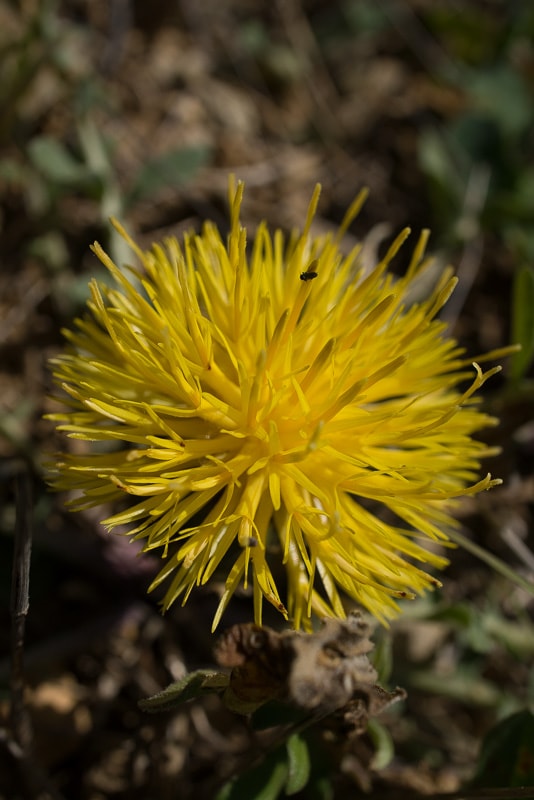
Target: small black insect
(310, 273)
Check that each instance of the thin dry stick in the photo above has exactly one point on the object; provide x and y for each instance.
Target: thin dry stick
(20, 601)
(18, 744)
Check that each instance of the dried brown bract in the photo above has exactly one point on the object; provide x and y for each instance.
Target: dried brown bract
(260, 659)
(324, 672)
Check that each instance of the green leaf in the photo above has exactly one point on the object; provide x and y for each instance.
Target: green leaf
(54, 162)
(460, 615)
(465, 685)
(382, 656)
(507, 754)
(170, 169)
(298, 762)
(517, 636)
(522, 321)
(283, 772)
(264, 782)
(321, 789)
(500, 92)
(384, 748)
(193, 685)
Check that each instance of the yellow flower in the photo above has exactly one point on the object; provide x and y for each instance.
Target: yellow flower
(281, 413)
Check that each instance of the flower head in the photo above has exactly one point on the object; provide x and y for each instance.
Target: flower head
(281, 412)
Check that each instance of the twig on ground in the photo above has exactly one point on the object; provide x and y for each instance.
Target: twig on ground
(20, 601)
(18, 740)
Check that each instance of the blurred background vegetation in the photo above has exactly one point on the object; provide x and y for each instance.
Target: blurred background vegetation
(140, 111)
